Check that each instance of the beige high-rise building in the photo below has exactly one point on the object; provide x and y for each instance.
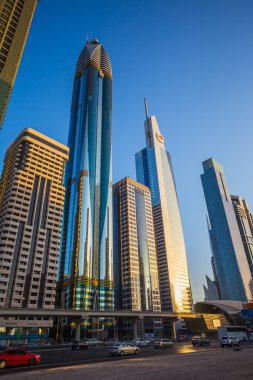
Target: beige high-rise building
(135, 260)
(31, 208)
(15, 21)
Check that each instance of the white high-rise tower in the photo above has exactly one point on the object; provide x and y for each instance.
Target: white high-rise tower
(154, 169)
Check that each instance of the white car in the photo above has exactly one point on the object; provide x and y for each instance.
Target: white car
(230, 341)
(140, 342)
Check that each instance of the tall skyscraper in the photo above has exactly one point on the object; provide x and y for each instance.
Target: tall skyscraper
(86, 272)
(15, 21)
(234, 277)
(244, 221)
(211, 290)
(135, 260)
(154, 169)
(216, 281)
(31, 209)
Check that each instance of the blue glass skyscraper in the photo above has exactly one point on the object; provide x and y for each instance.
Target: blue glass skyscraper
(232, 269)
(86, 271)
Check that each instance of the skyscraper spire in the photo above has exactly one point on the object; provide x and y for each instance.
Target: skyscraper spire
(146, 107)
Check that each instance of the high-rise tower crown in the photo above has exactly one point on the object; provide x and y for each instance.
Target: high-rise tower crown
(95, 54)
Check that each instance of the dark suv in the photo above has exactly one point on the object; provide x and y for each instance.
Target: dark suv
(79, 345)
(200, 341)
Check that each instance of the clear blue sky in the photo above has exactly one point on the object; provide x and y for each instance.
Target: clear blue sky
(193, 60)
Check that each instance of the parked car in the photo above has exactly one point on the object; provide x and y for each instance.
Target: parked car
(182, 338)
(150, 340)
(229, 341)
(163, 343)
(80, 345)
(121, 349)
(110, 342)
(94, 342)
(17, 356)
(140, 342)
(198, 340)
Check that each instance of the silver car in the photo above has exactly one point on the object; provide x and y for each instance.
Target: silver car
(163, 343)
(140, 342)
(94, 342)
(122, 349)
(230, 341)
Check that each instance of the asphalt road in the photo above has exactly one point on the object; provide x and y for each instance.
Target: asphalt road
(65, 357)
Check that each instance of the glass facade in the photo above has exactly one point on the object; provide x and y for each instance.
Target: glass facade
(15, 21)
(211, 291)
(86, 272)
(231, 266)
(245, 226)
(154, 169)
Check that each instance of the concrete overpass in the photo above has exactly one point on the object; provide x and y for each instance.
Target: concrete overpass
(78, 316)
(85, 314)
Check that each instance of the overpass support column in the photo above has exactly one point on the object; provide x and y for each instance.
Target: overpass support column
(77, 331)
(135, 328)
(26, 332)
(8, 332)
(141, 329)
(173, 331)
(115, 328)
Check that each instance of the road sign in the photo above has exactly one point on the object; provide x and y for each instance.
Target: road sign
(95, 330)
(247, 313)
